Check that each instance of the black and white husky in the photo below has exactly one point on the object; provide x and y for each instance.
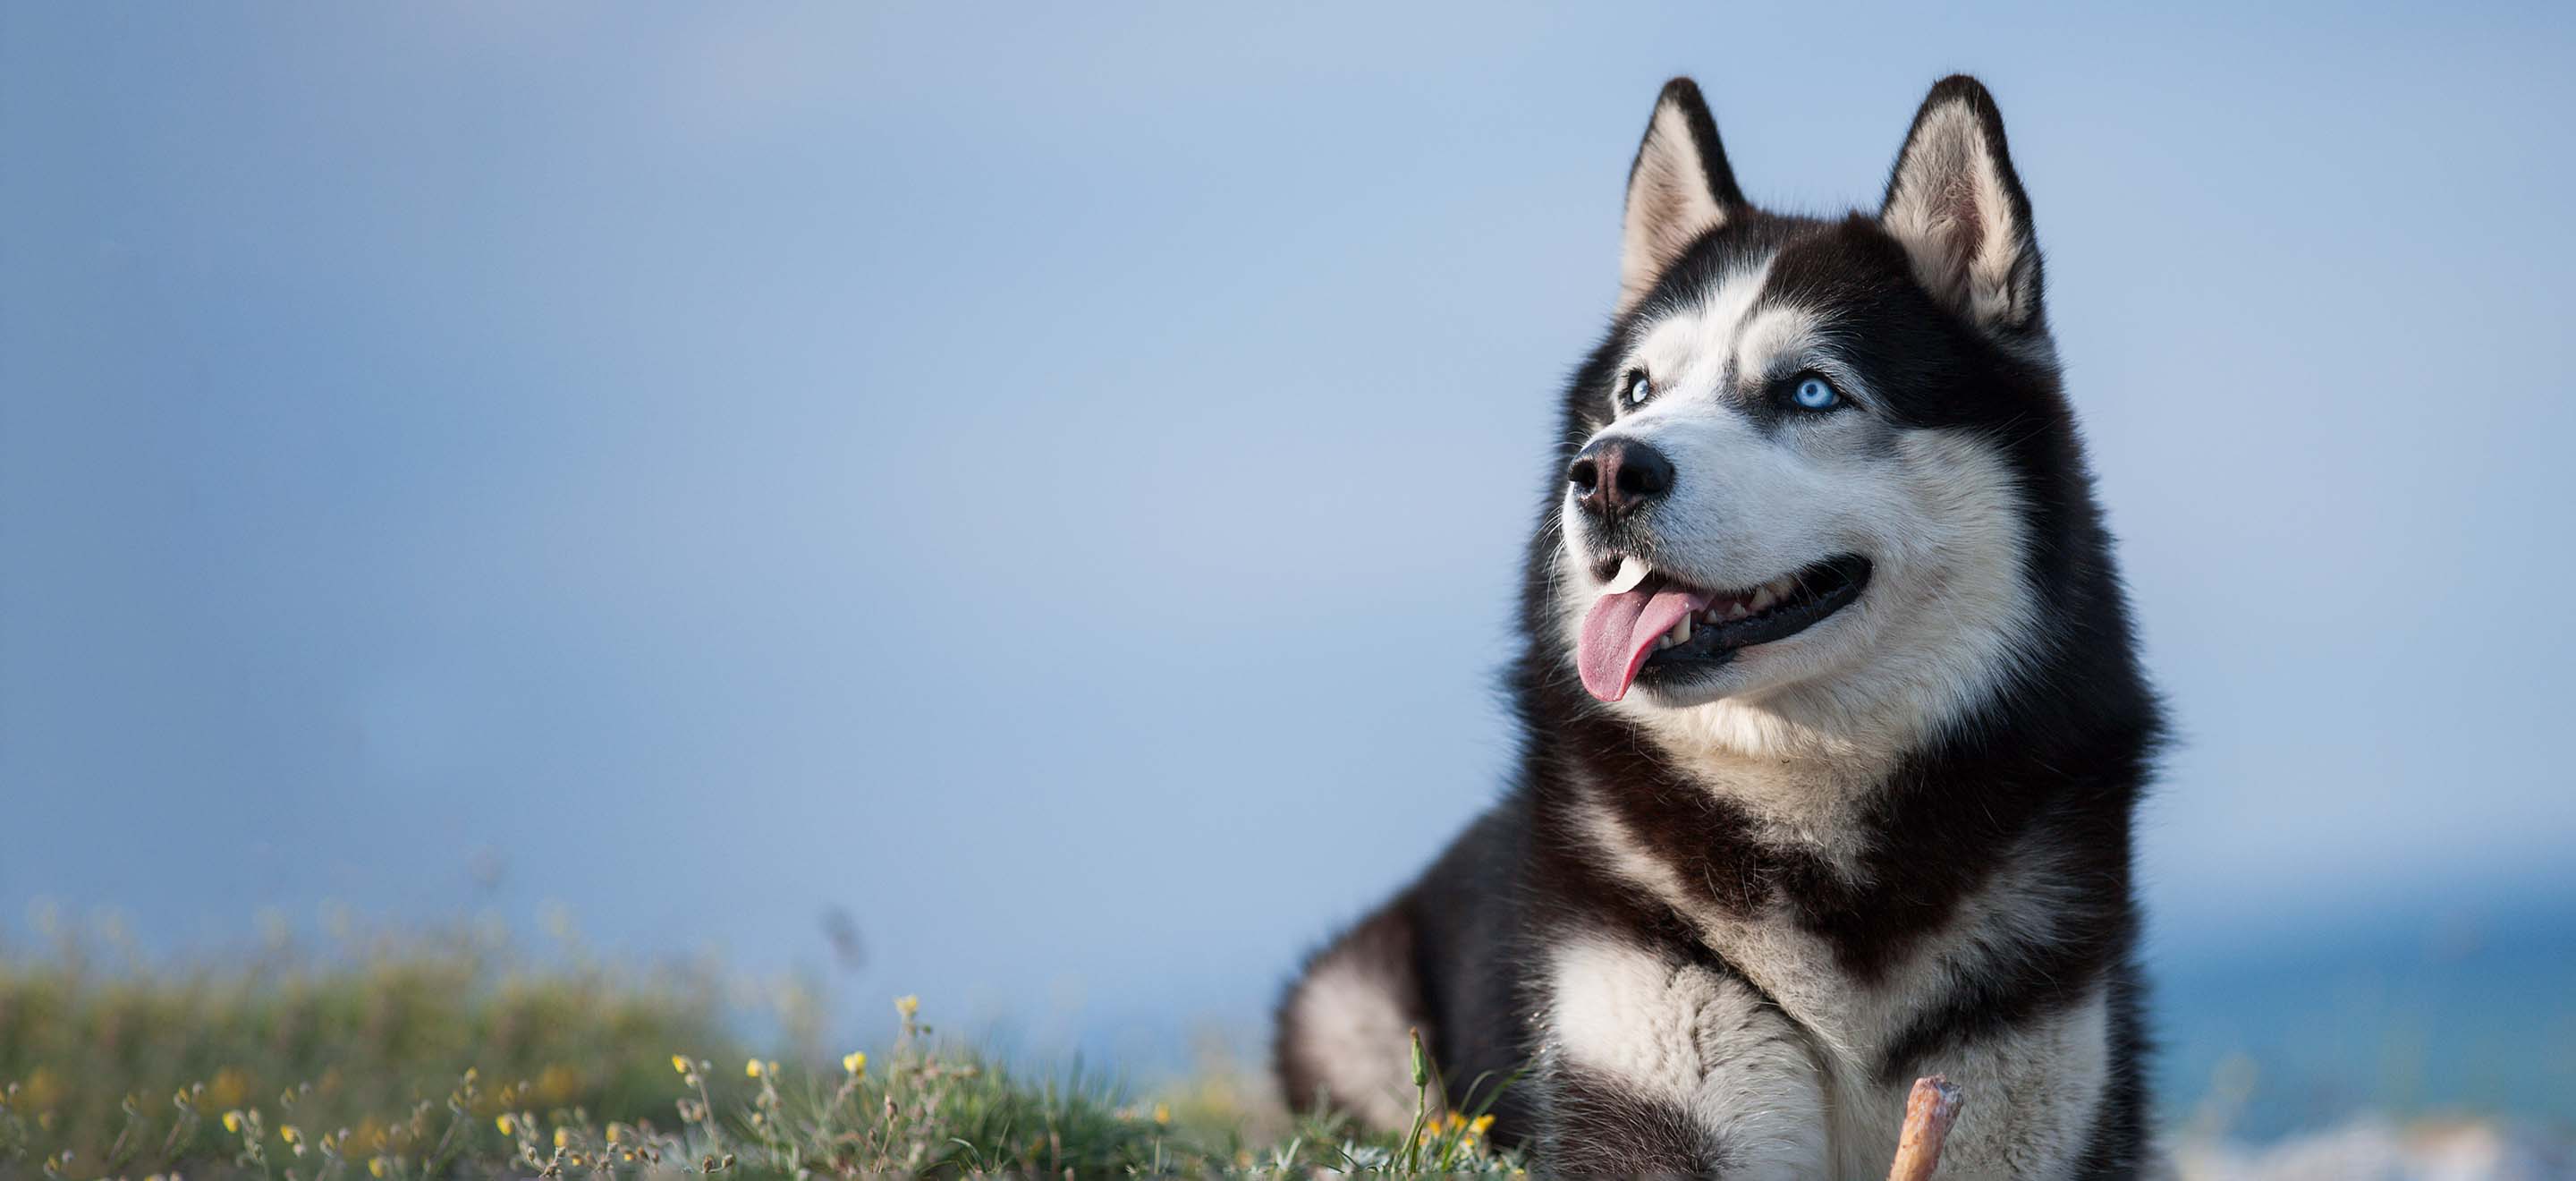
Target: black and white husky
(1832, 717)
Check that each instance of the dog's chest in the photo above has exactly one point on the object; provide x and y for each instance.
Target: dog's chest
(1856, 1017)
(1780, 892)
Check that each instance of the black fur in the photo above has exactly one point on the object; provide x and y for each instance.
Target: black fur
(2060, 756)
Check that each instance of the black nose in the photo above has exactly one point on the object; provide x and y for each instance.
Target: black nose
(1615, 477)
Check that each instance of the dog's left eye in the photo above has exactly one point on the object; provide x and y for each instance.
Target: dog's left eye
(1639, 389)
(1815, 393)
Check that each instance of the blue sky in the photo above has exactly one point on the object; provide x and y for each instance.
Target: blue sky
(977, 468)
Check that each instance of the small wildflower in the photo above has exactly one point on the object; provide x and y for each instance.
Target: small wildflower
(1476, 1127)
(288, 1133)
(232, 1121)
(376, 1166)
(907, 1005)
(563, 1136)
(751, 1069)
(503, 1123)
(679, 1064)
(855, 1062)
(1162, 1113)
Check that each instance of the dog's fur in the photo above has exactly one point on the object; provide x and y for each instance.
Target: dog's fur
(1726, 919)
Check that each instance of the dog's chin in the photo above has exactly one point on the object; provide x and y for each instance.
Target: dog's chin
(1744, 656)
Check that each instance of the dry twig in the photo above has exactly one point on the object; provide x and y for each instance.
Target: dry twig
(1929, 1110)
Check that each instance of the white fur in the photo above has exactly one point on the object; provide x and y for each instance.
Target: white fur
(1355, 1036)
(1697, 1040)
(2046, 1078)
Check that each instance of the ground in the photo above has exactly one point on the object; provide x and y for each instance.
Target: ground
(448, 1055)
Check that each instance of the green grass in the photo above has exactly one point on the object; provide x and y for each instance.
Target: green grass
(447, 1055)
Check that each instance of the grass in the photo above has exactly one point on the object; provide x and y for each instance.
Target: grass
(448, 1055)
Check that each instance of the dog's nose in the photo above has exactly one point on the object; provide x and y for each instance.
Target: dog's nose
(1615, 477)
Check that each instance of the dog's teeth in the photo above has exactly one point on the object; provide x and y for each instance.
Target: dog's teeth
(1681, 631)
(1763, 598)
(1632, 570)
(1735, 609)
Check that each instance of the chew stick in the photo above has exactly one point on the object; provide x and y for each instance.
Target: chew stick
(1929, 1109)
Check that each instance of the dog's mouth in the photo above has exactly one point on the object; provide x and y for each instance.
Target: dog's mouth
(1646, 624)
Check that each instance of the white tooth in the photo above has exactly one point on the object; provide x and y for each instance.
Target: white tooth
(1681, 631)
(1632, 570)
(1735, 609)
(1763, 598)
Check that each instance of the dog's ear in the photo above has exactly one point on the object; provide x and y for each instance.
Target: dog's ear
(1957, 206)
(1679, 189)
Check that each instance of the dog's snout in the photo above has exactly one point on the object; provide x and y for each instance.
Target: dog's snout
(1615, 477)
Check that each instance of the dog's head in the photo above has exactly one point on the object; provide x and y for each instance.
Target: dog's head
(1801, 471)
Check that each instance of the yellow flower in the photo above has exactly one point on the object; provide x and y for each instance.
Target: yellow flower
(503, 1123)
(907, 1005)
(616, 1133)
(232, 1121)
(856, 1062)
(1477, 1126)
(679, 1064)
(562, 1136)
(288, 1133)
(751, 1069)
(376, 1167)
(1162, 1113)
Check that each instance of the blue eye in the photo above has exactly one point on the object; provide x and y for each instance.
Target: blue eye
(1638, 388)
(1815, 393)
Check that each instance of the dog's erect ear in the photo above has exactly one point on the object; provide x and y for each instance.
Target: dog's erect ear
(1956, 204)
(1679, 188)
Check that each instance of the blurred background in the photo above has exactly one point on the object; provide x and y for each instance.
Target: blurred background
(896, 495)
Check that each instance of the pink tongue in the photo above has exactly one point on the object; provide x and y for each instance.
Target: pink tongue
(1620, 630)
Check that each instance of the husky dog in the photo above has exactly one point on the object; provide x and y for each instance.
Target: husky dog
(1832, 719)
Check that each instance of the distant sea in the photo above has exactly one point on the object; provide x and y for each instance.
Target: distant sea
(2469, 1014)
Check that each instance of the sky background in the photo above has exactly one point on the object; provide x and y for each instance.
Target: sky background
(701, 467)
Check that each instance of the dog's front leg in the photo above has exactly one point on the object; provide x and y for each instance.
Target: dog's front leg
(1655, 1066)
